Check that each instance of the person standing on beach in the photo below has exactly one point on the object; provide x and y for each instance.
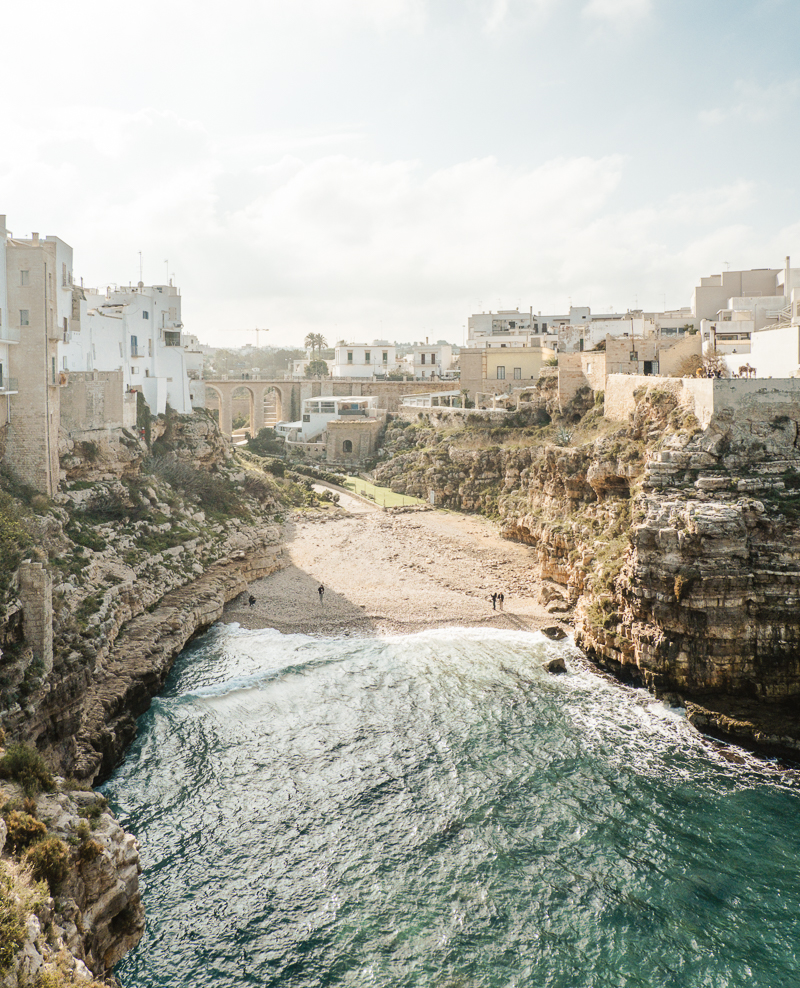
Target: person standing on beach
(494, 601)
(321, 592)
(500, 599)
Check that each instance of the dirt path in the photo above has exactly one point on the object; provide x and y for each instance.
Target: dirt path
(385, 573)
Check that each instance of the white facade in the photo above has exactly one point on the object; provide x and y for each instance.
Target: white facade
(506, 326)
(317, 412)
(429, 361)
(776, 352)
(138, 330)
(747, 303)
(364, 361)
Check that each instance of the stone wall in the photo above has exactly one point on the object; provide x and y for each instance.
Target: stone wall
(448, 418)
(705, 398)
(36, 597)
(96, 400)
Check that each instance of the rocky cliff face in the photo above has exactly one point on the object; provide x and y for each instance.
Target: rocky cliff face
(677, 550)
(91, 914)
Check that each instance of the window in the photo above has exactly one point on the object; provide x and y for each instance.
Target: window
(24, 317)
(24, 277)
(145, 315)
(517, 373)
(134, 369)
(634, 355)
(385, 357)
(349, 356)
(63, 273)
(53, 368)
(501, 373)
(64, 362)
(544, 327)
(367, 356)
(134, 346)
(306, 417)
(433, 358)
(347, 446)
(422, 358)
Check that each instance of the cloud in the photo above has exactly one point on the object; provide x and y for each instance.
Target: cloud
(317, 237)
(756, 104)
(617, 12)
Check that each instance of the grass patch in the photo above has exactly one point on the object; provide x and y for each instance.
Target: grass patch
(384, 496)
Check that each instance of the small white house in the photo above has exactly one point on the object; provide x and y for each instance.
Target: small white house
(364, 361)
(318, 412)
(429, 361)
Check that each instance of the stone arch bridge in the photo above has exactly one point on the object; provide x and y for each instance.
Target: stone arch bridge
(289, 395)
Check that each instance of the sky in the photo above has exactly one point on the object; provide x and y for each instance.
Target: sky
(381, 169)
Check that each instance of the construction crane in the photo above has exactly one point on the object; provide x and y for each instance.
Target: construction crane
(257, 331)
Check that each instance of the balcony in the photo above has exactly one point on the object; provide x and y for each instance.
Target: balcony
(8, 386)
(137, 351)
(9, 334)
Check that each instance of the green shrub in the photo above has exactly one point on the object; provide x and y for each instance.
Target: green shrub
(89, 850)
(23, 830)
(23, 764)
(212, 491)
(49, 862)
(93, 811)
(12, 932)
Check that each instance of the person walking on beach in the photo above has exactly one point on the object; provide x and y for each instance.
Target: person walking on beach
(494, 601)
(321, 592)
(500, 599)
(251, 600)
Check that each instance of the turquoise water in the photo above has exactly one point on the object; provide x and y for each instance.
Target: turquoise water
(435, 810)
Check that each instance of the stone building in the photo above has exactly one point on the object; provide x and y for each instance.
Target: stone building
(350, 443)
(36, 309)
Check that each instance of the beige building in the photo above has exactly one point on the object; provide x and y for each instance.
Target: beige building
(644, 356)
(496, 370)
(38, 310)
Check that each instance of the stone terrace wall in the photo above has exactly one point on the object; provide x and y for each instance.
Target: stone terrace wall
(96, 400)
(706, 397)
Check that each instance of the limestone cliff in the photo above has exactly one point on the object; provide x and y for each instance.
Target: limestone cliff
(676, 549)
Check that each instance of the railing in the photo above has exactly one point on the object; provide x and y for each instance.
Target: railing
(136, 352)
(8, 385)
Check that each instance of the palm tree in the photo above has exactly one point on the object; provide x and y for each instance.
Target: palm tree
(315, 341)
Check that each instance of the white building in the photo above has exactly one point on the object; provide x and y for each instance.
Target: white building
(364, 361)
(429, 360)
(318, 412)
(138, 330)
(512, 328)
(736, 305)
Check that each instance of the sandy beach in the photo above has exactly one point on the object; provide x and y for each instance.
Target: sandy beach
(388, 573)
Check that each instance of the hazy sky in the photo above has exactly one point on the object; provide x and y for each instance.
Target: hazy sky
(383, 168)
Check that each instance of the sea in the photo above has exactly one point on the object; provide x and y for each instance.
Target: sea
(438, 810)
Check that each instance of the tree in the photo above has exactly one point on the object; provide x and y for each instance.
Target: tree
(316, 368)
(714, 361)
(315, 342)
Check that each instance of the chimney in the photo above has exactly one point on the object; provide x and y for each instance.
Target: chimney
(35, 238)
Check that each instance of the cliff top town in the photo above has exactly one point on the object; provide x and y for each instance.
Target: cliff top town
(631, 478)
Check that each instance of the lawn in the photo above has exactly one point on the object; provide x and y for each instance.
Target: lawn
(380, 495)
